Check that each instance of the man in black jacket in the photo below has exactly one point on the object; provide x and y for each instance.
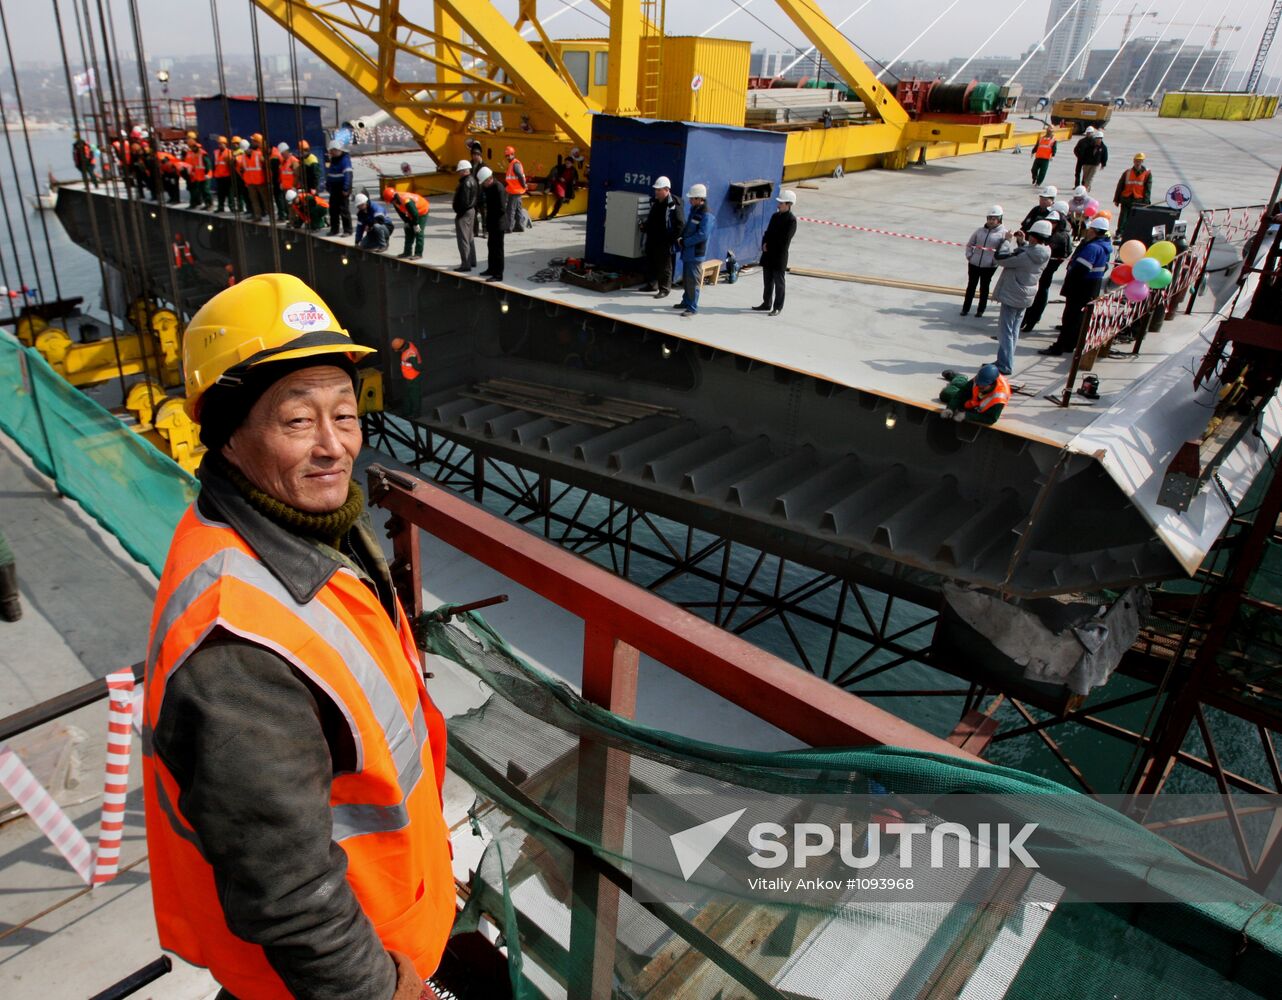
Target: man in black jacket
(466, 196)
(662, 229)
(1091, 154)
(774, 253)
(1061, 244)
(493, 210)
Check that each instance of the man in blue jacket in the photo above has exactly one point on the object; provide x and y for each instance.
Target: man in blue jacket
(1083, 281)
(694, 248)
(338, 182)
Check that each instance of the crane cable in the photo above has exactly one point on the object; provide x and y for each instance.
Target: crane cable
(1078, 54)
(1156, 42)
(238, 223)
(89, 197)
(1126, 40)
(922, 34)
(986, 41)
(262, 124)
(839, 25)
(298, 121)
(1041, 44)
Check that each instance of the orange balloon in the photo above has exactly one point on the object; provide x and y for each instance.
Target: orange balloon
(1103, 214)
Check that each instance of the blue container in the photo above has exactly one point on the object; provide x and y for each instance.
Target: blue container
(629, 153)
(212, 116)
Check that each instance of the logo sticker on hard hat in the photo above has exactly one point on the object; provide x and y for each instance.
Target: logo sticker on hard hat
(305, 317)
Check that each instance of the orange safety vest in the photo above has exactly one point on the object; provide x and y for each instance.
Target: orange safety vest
(420, 203)
(222, 162)
(288, 165)
(387, 815)
(182, 254)
(999, 394)
(1045, 148)
(167, 161)
(513, 183)
(195, 160)
(409, 353)
(251, 169)
(1133, 183)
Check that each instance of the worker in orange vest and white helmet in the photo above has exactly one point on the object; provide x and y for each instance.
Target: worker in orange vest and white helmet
(293, 769)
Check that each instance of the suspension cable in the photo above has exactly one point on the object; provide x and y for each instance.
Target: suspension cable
(1178, 49)
(1039, 46)
(26, 223)
(1198, 58)
(986, 41)
(13, 242)
(262, 124)
(920, 35)
(89, 197)
(1156, 42)
(1126, 40)
(1078, 54)
(839, 25)
(733, 11)
(1220, 55)
(1246, 35)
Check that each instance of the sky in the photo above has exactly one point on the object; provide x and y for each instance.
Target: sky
(883, 28)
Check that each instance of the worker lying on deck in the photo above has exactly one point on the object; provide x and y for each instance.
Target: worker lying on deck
(293, 760)
(980, 399)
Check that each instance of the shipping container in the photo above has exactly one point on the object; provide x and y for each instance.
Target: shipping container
(242, 116)
(741, 167)
(704, 80)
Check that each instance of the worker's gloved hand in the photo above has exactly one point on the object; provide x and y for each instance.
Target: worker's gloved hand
(409, 984)
(959, 416)
(946, 412)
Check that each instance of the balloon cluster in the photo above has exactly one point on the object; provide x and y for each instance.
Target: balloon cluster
(1143, 270)
(1093, 211)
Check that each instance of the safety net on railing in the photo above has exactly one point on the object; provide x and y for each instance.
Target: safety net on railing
(132, 489)
(560, 779)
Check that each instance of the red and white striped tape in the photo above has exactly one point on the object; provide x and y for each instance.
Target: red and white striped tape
(120, 733)
(19, 782)
(880, 232)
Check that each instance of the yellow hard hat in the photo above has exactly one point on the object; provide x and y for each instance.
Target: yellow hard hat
(267, 317)
(1139, 156)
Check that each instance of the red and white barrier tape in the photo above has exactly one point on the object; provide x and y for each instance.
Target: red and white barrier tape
(123, 714)
(120, 732)
(19, 782)
(880, 232)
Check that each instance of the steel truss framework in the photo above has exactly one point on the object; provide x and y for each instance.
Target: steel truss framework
(1174, 714)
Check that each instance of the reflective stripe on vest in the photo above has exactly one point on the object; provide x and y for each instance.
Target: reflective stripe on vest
(999, 394)
(287, 167)
(1045, 148)
(1133, 183)
(409, 354)
(386, 814)
(222, 162)
(512, 181)
(417, 200)
(196, 163)
(252, 167)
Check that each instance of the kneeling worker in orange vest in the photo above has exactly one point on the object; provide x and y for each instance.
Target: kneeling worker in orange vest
(293, 766)
(979, 400)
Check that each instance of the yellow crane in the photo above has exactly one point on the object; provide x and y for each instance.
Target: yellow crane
(467, 70)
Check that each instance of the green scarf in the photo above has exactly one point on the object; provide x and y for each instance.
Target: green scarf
(329, 528)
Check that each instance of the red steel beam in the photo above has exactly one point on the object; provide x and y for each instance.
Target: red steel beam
(801, 704)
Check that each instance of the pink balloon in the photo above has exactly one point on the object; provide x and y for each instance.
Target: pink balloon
(1092, 203)
(1136, 291)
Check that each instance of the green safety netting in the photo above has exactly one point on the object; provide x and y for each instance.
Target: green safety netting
(131, 489)
(532, 749)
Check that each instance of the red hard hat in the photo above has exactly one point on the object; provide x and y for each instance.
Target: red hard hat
(389, 194)
(509, 151)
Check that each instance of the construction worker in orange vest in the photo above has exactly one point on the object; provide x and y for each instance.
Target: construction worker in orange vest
(411, 368)
(515, 184)
(979, 400)
(240, 196)
(308, 209)
(169, 168)
(196, 167)
(182, 252)
(293, 772)
(1043, 153)
(253, 171)
(284, 174)
(1134, 187)
(413, 209)
(222, 174)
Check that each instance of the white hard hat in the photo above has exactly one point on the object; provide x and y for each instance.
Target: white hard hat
(464, 165)
(787, 197)
(361, 199)
(1061, 207)
(334, 144)
(1049, 191)
(697, 191)
(662, 182)
(244, 144)
(1079, 191)
(484, 174)
(576, 153)
(1040, 228)
(1098, 223)
(291, 194)
(1051, 216)
(995, 210)
(283, 148)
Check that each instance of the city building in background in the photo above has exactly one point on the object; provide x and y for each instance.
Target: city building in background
(1207, 70)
